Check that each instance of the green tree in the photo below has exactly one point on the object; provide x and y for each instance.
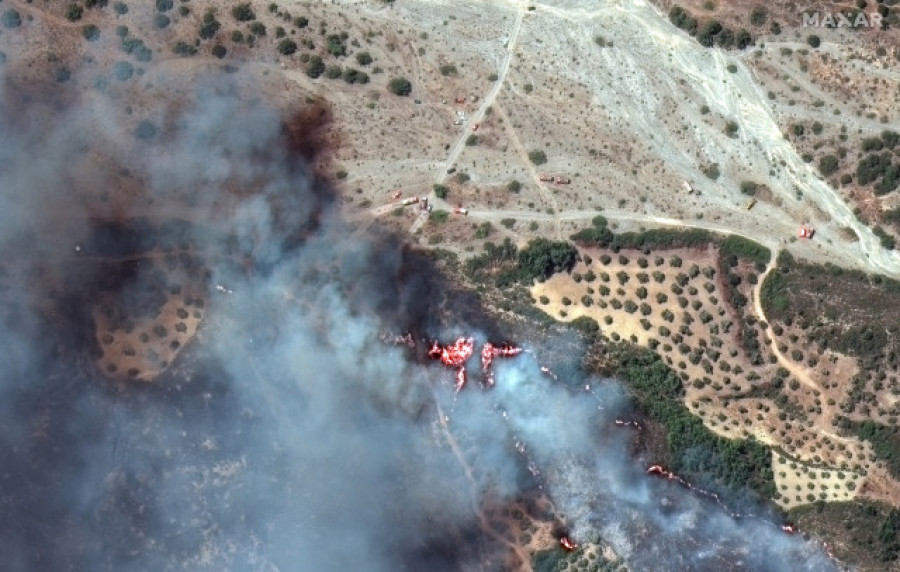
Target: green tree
(440, 191)
(813, 40)
(514, 186)
(541, 258)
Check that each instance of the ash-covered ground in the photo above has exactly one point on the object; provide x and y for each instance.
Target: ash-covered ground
(287, 436)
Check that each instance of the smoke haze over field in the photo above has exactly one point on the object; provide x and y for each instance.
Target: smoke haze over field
(288, 437)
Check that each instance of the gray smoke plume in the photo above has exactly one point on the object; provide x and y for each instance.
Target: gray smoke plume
(287, 436)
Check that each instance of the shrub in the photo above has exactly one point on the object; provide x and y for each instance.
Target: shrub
(363, 58)
(184, 49)
(74, 12)
(887, 241)
(828, 165)
(749, 187)
(11, 18)
(335, 46)
(219, 51)
(483, 230)
(440, 216)
(161, 21)
(243, 12)
(121, 8)
(448, 70)
(537, 157)
(237, 36)
(400, 86)
(758, 16)
(813, 40)
(472, 140)
(301, 22)
(315, 67)
(90, 32)
(287, 47)
(136, 47)
(514, 186)
(62, 75)
(352, 75)
(210, 26)
(145, 130)
(258, 28)
(122, 71)
(333, 72)
(440, 191)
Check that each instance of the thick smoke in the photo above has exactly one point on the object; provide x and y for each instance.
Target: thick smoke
(287, 436)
